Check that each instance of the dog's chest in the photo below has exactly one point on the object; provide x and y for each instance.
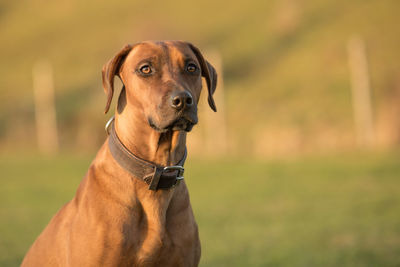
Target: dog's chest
(169, 244)
(167, 253)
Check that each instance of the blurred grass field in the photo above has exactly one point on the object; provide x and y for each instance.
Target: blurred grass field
(314, 211)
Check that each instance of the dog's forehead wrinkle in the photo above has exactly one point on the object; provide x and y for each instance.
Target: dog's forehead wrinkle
(172, 54)
(173, 57)
(145, 51)
(181, 54)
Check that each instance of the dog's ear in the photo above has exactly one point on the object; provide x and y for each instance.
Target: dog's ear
(209, 73)
(111, 69)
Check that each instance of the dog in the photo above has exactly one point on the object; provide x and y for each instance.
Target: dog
(132, 208)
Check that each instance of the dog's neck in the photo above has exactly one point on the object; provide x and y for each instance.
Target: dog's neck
(154, 210)
(166, 148)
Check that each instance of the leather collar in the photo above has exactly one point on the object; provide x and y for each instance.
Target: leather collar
(156, 176)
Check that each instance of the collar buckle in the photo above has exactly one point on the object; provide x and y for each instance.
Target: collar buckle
(159, 171)
(179, 176)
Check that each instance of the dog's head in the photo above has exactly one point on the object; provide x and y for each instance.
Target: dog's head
(162, 80)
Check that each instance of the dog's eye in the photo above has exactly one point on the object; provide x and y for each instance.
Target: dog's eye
(145, 69)
(191, 67)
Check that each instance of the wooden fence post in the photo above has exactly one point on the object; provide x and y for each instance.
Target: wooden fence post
(361, 92)
(45, 111)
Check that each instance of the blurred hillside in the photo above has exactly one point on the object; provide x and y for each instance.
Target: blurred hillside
(285, 66)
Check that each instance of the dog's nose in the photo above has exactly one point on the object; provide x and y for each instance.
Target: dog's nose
(181, 99)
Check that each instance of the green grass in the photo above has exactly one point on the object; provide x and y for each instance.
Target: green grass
(326, 211)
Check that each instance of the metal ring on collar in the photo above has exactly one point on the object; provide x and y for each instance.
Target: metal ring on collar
(108, 124)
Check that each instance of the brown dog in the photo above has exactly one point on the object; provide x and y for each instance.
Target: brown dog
(121, 215)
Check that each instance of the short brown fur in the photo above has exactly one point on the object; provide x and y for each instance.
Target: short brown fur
(114, 219)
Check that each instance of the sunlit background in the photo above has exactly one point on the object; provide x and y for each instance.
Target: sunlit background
(300, 166)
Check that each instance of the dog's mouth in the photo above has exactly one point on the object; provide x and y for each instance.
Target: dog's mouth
(182, 123)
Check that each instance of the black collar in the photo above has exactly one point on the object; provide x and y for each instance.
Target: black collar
(156, 176)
